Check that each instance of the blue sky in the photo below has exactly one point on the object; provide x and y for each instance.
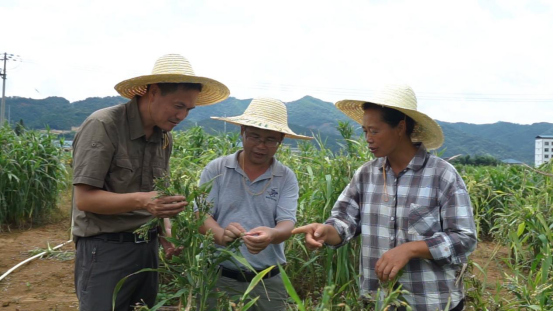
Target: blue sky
(468, 61)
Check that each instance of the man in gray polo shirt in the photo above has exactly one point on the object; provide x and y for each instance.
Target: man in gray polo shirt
(255, 199)
(117, 153)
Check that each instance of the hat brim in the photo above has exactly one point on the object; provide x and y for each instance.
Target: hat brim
(244, 121)
(212, 91)
(426, 129)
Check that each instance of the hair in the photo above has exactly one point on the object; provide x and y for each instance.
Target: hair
(166, 88)
(392, 116)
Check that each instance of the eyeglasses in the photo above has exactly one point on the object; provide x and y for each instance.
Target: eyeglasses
(256, 141)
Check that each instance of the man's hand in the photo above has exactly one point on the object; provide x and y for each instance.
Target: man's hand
(169, 248)
(315, 234)
(164, 207)
(258, 239)
(391, 262)
(232, 231)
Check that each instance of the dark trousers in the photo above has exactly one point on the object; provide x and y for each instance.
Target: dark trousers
(100, 265)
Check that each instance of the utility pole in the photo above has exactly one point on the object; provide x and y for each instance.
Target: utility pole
(3, 107)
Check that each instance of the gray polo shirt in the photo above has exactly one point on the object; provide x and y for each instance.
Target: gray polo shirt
(110, 152)
(232, 203)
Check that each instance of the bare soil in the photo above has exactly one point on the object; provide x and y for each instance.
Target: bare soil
(43, 284)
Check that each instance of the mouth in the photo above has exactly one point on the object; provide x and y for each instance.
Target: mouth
(373, 149)
(258, 155)
(174, 123)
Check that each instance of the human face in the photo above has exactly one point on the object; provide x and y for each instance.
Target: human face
(383, 139)
(255, 148)
(168, 110)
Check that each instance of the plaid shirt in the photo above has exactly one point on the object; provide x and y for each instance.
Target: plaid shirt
(427, 201)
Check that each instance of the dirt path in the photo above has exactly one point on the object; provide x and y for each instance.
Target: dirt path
(487, 255)
(43, 284)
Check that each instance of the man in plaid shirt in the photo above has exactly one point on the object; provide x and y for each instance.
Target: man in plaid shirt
(411, 208)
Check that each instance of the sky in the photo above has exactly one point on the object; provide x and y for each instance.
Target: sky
(467, 60)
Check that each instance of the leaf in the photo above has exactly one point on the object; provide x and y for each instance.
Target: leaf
(290, 289)
(521, 228)
(240, 259)
(122, 281)
(248, 305)
(256, 280)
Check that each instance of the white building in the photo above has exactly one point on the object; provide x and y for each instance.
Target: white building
(544, 149)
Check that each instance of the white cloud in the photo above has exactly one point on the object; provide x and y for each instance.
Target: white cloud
(447, 50)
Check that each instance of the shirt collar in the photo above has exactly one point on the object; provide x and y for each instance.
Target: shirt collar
(276, 167)
(136, 129)
(415, 164)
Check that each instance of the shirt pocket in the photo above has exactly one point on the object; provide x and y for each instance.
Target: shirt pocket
(158, 170)
(122, 171)
(424, 221)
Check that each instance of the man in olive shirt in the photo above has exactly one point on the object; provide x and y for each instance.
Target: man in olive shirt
(117, 154)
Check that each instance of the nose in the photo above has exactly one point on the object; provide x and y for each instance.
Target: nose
(182, 114)
(368, 138)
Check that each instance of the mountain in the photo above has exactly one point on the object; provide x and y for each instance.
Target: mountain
(307, 115)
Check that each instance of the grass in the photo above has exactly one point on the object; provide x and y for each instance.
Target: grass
(32, 174)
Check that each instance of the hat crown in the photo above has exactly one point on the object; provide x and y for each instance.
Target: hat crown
(173, 64)
(268, 110)
(395, 95)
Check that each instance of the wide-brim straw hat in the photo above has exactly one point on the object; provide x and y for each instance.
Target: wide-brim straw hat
(265, 113)
(403, 99)
(174, 68)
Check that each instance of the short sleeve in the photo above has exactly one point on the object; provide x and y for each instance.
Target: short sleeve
(93, 152)
(288, 200)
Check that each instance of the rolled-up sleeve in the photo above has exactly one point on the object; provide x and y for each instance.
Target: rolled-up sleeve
(345, 214)
(458, 239)
(93, 152)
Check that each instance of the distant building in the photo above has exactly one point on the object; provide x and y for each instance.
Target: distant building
(544, 149)
(511, 161)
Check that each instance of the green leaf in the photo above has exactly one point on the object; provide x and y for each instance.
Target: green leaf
(521, 228)
(122, 281)
(248, 305)
(256, 280)
(290, 289)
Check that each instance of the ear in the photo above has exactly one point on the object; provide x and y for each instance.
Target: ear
(242, 130)
(401, 128)
(153, 90)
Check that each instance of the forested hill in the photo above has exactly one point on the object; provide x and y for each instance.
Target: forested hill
(306, 115)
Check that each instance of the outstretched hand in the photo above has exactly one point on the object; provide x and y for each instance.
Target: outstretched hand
(315, 234)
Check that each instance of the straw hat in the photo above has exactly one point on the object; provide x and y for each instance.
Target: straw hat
(403, 99)
(265, 113)
(173, 68)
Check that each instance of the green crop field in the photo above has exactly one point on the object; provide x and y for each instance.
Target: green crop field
(512, 207)
(32, 172)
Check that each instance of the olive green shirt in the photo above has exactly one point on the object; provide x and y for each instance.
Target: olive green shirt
(110, 152)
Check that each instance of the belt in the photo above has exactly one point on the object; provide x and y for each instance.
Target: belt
(126, 237)
(246, 276)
